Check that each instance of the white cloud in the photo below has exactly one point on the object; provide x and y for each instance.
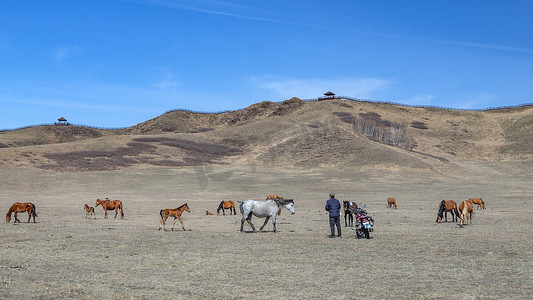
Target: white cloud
(63, 52)
(167, 81)
(313, 88)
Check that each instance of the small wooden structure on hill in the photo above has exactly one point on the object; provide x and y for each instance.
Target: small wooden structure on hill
(327, 96)
(61, 122)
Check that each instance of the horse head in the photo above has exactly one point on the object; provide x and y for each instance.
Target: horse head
(97, 202)
(187, 207)
(8, 217)
(440, 214)
(287, 203)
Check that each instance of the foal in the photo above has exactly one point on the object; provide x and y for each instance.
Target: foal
(174, 212)
(89, 211)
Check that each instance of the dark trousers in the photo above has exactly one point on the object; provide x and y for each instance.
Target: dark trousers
(335, 221)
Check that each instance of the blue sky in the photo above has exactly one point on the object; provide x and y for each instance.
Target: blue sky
(116, 63)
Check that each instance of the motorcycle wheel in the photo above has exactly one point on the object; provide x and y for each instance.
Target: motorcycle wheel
(366, 233)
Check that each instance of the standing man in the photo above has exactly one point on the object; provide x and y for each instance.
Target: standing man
(334, 207)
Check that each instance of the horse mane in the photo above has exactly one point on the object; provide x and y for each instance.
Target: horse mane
(220, 205)
(283, 202)
(182, 206)
(442, 207)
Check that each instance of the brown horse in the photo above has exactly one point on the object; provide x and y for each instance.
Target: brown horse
(446, 206)
(89, 211)
(21, 207)
(176, 213)
(478, 201)
(392, 202)
(349, 209)
(111, 205)
(467, 209)
(225, 205)
(274, 197)
(208, 213)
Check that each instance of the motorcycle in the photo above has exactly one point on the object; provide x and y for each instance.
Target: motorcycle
(363, 224)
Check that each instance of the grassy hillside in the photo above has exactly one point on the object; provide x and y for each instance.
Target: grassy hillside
(293, 133)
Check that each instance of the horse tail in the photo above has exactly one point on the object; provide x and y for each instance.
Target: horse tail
(121, 210)
(241, 208)
(33, 212)
(161, 213)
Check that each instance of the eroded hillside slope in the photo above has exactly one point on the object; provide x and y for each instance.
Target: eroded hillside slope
(293, 133)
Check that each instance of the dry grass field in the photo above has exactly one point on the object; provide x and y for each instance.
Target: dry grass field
(66, 256)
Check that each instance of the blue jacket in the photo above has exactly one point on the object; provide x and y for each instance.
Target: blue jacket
(334, 207)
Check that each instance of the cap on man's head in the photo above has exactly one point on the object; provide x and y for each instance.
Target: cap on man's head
(332, 194)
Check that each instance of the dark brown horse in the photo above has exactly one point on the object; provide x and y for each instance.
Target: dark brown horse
(349, 209)
(111, 205)
(21, 207)
(392, 202)
(226, 205)
(478, 201)
(176, 213)
(446, 206)
(89, 211)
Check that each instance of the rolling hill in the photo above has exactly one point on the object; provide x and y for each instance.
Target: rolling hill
(293, 133)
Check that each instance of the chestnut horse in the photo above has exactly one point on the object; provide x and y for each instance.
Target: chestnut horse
(175, 212)
(273, 197)
(349, 209)
(446, 206)
(89, 211)
(478, 201)
(111, 205)
(467, 209)
(21, 207)
(392, 202)
(225, 205)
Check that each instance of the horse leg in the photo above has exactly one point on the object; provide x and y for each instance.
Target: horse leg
(16, 219)
(345, 217)
(165, 223)
(29, 217)
(175, 218)
(249, 220)
(183, 227)
(266, 221)
(350, 218)
(116, 212)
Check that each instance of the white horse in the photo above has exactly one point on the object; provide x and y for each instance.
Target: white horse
(263, 209)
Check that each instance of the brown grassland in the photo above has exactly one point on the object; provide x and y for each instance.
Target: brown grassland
(297, 150)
